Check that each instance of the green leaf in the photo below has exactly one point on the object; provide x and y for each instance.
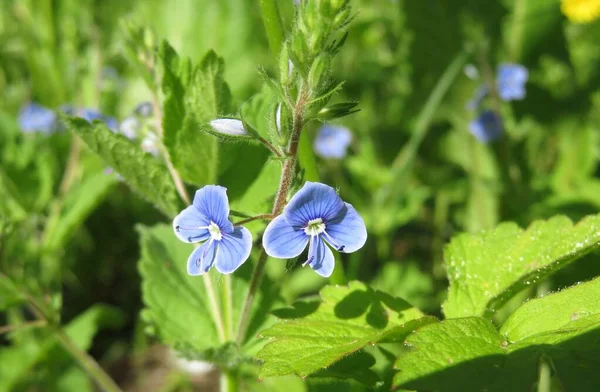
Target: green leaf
(144, 173)
(438, 354)
(553, 311)
(192, 99)
(79, 204)
(346, 319)
(176, 303)
(486, 269)
(10, 295)
(562, 329)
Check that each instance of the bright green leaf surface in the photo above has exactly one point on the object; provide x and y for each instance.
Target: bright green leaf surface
(143, 172)
(563, 329)
(319, 334)
(553, 311)
(488, 268)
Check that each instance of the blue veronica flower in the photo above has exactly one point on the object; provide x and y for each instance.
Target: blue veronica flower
(207, 219)
(37, 118)
(332, 141)
(511, 80)
(487, 127)
(91, 115)
(315, 215)
(150, 144)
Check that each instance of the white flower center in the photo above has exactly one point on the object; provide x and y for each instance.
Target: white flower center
(314, 227)
(215, 232)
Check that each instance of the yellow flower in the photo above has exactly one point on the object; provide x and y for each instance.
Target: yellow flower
(581, 11)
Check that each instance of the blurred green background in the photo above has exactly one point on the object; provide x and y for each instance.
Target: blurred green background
(413, 170)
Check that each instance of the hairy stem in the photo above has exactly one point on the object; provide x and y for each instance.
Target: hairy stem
(253, 218)
(287, 176)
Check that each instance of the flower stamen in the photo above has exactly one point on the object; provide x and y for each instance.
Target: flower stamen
(314, 227)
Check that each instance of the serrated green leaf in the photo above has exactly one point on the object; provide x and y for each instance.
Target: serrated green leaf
(553, 311)
(562, 329)
(437, 352)
(487, 269)
(192, 99)
(144, 173)
(80, 202)
(321, 333)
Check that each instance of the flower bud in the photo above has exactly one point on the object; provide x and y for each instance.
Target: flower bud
(318, 71)
(229, 127)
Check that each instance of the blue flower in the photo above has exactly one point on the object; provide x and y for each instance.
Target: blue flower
(207, 219)
(487, 127)
(315, 215)
(332, 141)
(144, 109)
(130, 127)
(91, 115)
(511, 80)
(37, 118)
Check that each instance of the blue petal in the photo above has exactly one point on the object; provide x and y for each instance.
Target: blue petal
(233, 249)
(320, 257)
(347, 233)
(212, 202)
(34, 117)
(187, 225)
(487, 127)
(282, 240)
(202, 258)
(332, 141)
(314, 200)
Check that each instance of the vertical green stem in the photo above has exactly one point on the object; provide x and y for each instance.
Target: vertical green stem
(229, 382)
(228, 307)
(273, 26)
(407, 155)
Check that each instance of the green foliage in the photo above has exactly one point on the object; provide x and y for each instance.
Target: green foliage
(144, 173)
(193, 97)
(178, 306)
(561, 329)
(314, 335)
(487, 269)
(18, 361)
(9, 293)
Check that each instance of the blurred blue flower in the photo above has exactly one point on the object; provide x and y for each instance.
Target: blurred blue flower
(511, 80)
(487, 127)
(37, 118)
(315, 215)
(332, 141)
(130, 127)
(91, 115)
(144, 109)
(207, 219)
(151, 144)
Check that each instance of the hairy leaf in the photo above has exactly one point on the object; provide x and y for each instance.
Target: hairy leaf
(487, 269)
(144, 173)
(318, 334)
